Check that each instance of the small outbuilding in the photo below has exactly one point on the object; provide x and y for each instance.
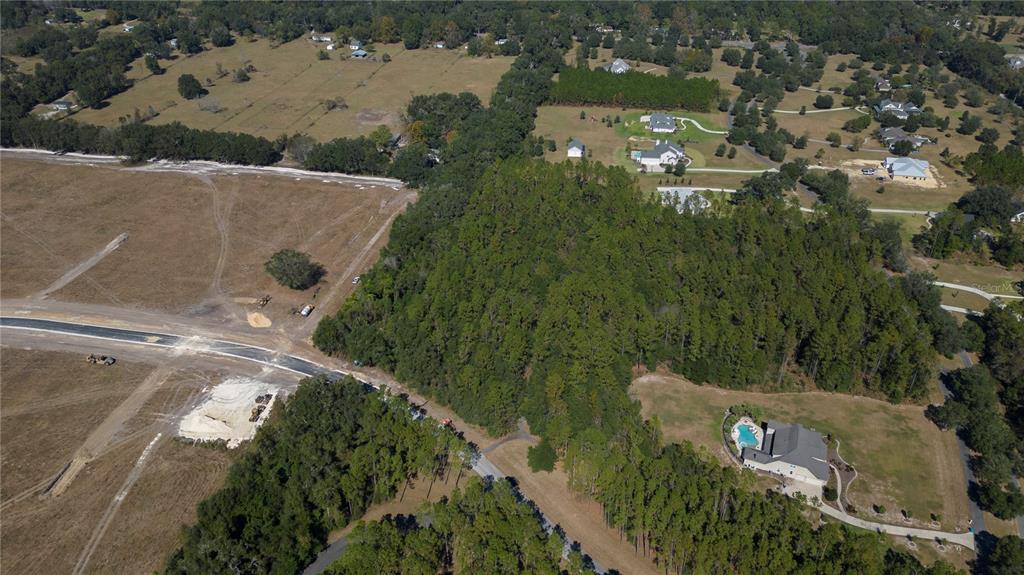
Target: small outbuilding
(576, 149)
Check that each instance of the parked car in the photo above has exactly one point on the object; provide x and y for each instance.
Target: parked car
(306, 310)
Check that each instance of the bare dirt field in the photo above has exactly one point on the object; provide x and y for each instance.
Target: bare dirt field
(125, 507)
(904, 461)
(196, 244)
(286, 92)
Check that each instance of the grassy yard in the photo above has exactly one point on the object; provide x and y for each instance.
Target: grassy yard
(910, 224)
(904, 460)
(285, 94)
(992, 278)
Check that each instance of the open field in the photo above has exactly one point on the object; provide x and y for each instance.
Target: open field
(285, 94)
(904, 460)
(994, 278)
(910, 225)
(196, 244)
(52, 402)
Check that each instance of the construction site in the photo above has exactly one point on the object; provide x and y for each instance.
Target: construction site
(108, 446)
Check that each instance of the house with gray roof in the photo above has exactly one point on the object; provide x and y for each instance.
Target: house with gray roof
(891, 136)
(618, 66)
(660, 123)
(901, 110)
(883, 85)
(1016, 61)
(575, 149)
(361, 54)
(790, 450)
(906, 168)
(663, 154)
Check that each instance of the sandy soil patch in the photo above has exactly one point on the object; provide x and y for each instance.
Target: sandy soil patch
(232, 412)
(257, 319)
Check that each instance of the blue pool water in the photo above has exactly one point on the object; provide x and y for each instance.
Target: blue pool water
(747, 437)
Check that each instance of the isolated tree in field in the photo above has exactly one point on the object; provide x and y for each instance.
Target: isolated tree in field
(153, 65)
(294, 269)
(241, 76)
(969, 124)
(823, 102)
(189, 87)
(988, 136)
(834, 139)
(720, 150)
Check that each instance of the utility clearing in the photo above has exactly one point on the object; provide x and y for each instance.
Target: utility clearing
(232, 413)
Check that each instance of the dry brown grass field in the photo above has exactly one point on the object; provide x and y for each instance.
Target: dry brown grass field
(52, 401)
(196, 245)
(286, 93)
(904, 460)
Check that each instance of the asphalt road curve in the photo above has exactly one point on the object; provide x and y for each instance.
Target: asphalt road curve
(195, 345)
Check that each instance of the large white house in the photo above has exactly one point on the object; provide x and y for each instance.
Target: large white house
(663, 154)
(790, 450)
(576, 149)
(901, 110)
(906, 168)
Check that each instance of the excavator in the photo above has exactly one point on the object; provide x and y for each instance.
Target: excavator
(100, 359)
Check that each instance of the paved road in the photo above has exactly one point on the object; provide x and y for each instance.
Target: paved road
(201, 345)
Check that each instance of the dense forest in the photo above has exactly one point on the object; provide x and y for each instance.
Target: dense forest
(634, 89)
(332, 450)
(482, 529)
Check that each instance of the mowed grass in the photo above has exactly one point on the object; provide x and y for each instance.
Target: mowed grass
(904, 460)
(286, 93)
(992, 278)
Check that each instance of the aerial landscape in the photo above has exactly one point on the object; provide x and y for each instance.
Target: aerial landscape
(473, 287)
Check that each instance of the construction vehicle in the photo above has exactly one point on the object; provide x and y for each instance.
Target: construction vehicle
(263, 301)
(256, 412)
(100, 359)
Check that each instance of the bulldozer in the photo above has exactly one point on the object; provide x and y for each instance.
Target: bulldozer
(100, 359)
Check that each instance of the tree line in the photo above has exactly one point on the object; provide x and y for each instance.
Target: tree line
(484, 528)
(141, 142)
(322, 459)
(987, 407)
(634, 89)
(978, 223)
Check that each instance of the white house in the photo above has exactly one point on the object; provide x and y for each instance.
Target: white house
(501, 41)
(663, 154)
(355, 45)
(901, 110)
(62, 106)
(127, 28)
(618, 66)
(1016, 61)
(790, 450)
(321, 38)
(439, 45)
(576, 149)
(660, 123)
(906, 168)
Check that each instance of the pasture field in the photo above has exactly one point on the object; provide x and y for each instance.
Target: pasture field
(992, 278)
(196, 243)
(904, 461)
(287, 90)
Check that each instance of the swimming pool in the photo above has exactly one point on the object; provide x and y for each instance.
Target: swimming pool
(747, 437)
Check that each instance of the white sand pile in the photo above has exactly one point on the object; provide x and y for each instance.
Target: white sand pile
(224, 415)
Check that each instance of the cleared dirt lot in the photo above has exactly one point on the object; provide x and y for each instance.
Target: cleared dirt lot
(196, 244)
(51, 402)
(904, 461)
(285, 94)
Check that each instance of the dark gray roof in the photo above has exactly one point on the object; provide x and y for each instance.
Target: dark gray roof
(793, 444)
(662, 121)
(661, 148)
